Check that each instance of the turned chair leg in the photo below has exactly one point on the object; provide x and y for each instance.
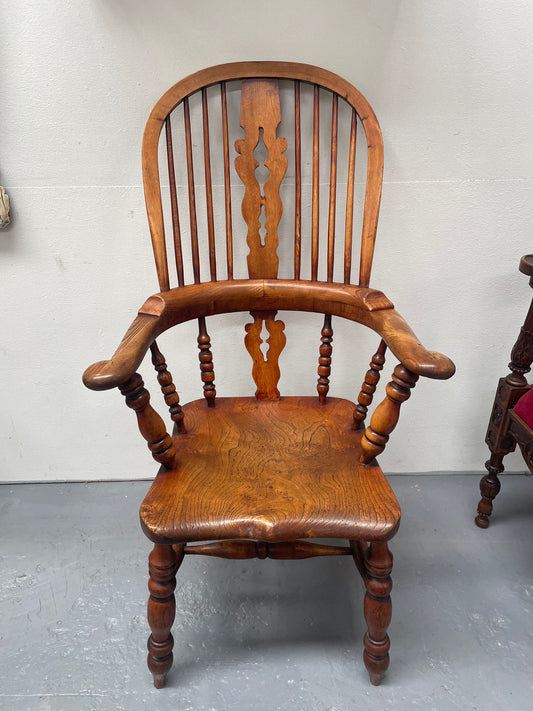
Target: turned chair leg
(163, 564)
(378, 609)
(489, 487)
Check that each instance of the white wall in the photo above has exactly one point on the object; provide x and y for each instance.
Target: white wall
(451, 85)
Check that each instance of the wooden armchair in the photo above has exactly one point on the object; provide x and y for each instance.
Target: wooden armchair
(511, 419)
(245, 477)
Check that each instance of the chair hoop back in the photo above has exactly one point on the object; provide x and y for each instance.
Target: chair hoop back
(265, 111)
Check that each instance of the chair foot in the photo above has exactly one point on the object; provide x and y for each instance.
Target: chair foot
(482, 520)
(160, 680)
(376, 679)
(489, 487)
(164, 562)
(378, 610)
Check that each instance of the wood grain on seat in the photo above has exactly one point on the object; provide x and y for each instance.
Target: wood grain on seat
(269, 470)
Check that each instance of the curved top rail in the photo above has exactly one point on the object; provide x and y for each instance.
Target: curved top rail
(261, 69)
(257, 70)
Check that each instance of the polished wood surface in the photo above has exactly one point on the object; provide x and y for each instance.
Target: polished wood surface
(284, 470)
(284, 550)
(506, 429)
(261, 476)
(367, 306)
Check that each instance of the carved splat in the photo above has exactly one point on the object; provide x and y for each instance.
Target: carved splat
(260, 117)
(260, 109)
(265, 371)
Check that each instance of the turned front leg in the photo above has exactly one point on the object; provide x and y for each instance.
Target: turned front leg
(163, 564)
(378, 610)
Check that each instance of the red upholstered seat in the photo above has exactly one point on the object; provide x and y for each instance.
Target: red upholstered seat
(524, 408)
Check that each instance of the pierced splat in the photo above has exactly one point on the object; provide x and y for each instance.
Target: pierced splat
(260, 109)
(260, 118)
(265, 371)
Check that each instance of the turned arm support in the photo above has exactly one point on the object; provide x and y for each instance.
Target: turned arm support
(387, 413)
(363, 305)
(151, 426)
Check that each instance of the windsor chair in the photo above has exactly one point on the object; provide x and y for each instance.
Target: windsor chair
(511, 419)
(259, 476)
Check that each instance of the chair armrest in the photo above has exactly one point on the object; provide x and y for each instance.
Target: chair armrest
(403, 343)
(367, 306)
(107, 374)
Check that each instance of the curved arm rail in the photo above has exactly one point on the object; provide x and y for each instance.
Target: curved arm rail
(363, 305)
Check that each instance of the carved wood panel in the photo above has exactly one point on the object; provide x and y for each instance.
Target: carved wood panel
(260, 109)
(498, 437)
(265, 370)
(260, 118)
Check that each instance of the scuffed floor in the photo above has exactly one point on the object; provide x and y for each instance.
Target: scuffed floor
(265, 635)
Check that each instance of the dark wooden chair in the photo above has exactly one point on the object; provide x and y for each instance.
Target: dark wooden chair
(245, 477)
(507, 427)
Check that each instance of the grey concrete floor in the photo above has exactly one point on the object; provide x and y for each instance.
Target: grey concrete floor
(265, 635)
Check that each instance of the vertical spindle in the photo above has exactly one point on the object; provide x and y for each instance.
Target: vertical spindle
(174, 203)
(227, 183)
(324, 360)
(368, 388)
(316, 180)
(192, 197)
(297, 183)
(332, 185)
(164, 378)
(208, 189)
(206, 363)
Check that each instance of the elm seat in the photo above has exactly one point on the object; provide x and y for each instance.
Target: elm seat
(269, 470)
(298, 151)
